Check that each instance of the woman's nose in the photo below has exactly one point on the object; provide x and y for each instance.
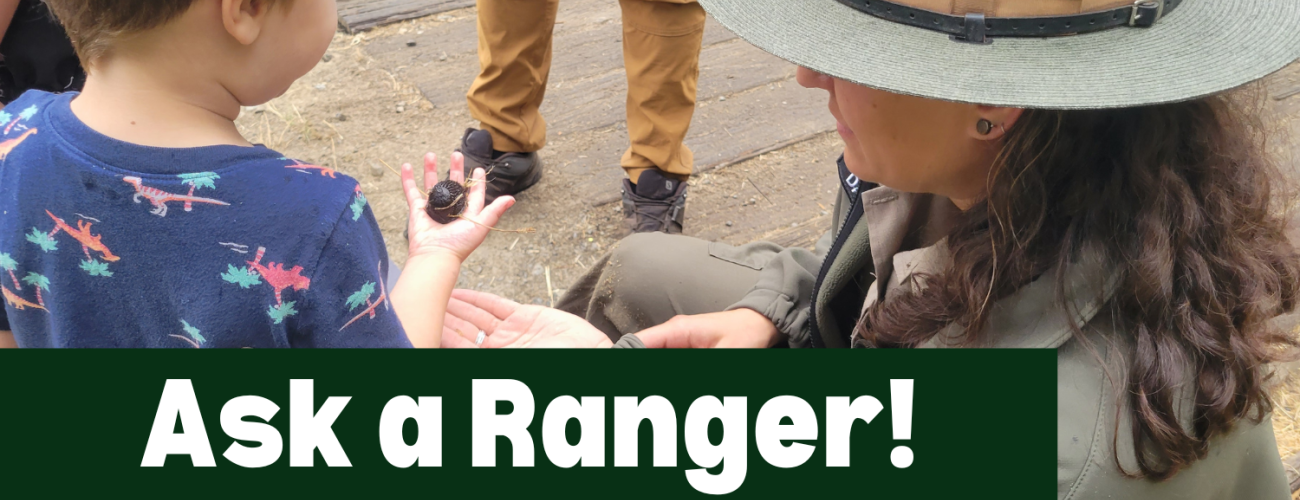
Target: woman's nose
(812, 79)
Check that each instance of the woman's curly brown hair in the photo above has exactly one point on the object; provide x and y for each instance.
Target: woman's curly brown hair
(1182, 198)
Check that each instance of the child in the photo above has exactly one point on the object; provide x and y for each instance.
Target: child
(134, 214)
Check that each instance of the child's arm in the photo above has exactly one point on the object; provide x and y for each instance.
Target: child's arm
(437, 250)
(7, 340)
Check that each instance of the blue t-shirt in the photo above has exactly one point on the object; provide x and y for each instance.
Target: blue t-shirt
(109, 244)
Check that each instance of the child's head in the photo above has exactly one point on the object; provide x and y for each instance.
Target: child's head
(254, 48)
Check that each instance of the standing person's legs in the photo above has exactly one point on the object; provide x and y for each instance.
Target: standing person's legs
(661, 51)
(648, 278)
(514, 51)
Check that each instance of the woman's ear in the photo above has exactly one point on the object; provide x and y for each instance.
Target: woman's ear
(992, 123)
(244, 19)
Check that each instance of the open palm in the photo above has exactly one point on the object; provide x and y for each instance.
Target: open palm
(509, 324)
(462, 236)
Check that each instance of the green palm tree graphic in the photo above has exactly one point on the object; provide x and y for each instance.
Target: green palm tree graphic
(42, 239)
(41, 283)
(361, 297)
(193, 332)
(200, 180)
(194, 339)
(278, 313)
(358, 206)
(241, 276)
(96, 268)
(8, 264)
(26, 114)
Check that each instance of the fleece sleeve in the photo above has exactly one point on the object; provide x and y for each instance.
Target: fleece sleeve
(784, 291)
(347, 304)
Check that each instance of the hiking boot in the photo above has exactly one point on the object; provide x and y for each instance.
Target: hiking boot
(654, 204)
(507, 173)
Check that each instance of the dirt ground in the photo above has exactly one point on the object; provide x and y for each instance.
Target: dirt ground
(355, 114)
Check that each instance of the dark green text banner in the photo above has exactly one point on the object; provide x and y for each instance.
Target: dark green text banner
(982, 422)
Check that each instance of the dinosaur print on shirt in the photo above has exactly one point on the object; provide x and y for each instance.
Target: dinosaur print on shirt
(89, 242)
(86, 262)
(34, 280)
(303, 167)
(160, 198)
(8, 146)
(18, 302)
(363, 297)
(26, 114)
(275, 275)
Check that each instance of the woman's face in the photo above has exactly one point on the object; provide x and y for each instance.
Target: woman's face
(913, 144)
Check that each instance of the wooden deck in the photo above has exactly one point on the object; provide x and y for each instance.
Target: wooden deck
(359, 15)
(748, 104)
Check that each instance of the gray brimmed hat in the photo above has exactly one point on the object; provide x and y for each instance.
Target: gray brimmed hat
(1060, 54)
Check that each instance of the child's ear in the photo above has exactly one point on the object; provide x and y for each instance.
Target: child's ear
(244, 19)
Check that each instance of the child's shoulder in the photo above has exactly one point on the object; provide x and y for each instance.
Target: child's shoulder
(298, 182)
(26, 109)
(36, 98)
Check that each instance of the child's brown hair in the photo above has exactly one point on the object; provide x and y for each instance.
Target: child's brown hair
(94, 24)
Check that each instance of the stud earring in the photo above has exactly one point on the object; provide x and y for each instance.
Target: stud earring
(984, 127)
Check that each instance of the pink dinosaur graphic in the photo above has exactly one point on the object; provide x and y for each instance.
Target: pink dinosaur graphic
(160, 198)
(8, 146)
(324, 171)
(20, 303)
(82, 235)
(276, 276)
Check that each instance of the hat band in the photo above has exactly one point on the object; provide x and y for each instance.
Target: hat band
(975, 28)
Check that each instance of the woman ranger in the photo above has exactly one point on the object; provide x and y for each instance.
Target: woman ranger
(1066, 174)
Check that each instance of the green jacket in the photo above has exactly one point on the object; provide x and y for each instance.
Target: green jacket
(888, 235)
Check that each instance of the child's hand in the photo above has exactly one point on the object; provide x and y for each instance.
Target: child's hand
(462, 237)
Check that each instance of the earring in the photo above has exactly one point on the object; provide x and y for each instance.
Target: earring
(984, 127)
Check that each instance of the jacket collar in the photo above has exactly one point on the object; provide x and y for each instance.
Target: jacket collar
(1032, 317)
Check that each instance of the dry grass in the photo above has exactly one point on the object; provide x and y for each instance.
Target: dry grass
(1286, 416)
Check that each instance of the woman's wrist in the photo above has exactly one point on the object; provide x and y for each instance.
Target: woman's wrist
(761, 326)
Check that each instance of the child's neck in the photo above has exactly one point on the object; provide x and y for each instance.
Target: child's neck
(153, 103)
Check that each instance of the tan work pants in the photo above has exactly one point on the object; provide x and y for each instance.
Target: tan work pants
(661, 51)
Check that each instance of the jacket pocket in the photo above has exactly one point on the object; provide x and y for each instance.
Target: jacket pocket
(753, 255)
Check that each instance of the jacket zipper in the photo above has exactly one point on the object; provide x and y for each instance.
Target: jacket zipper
(855, 214)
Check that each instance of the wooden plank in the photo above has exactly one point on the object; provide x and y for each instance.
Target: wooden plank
(587, 48)
(793, 209)
(722, 132)
(359, 15)
(725, 69)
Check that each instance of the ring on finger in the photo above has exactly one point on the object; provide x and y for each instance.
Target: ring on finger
(478, 341)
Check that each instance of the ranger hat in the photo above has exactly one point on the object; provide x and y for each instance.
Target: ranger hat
(1057, 54)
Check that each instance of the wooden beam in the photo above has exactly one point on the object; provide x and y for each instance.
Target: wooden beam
(360, 15)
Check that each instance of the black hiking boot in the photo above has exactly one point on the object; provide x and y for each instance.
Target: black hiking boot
(654, 204)
(507, 173)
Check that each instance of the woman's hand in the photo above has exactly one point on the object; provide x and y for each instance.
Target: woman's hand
(740, 328)
(508, 324)
(461, 237)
